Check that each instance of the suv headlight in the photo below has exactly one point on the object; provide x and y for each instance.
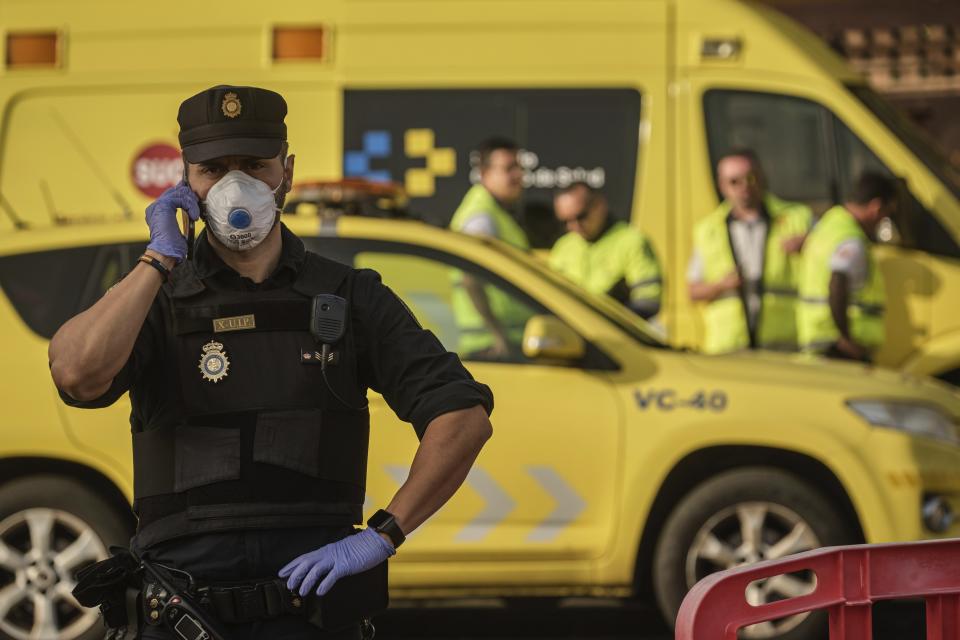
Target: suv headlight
(920, 419)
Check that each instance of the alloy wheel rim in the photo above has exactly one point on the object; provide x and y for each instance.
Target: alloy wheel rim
(41, 551)
(749, 532)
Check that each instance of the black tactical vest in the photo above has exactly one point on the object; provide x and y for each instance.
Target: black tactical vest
(264, 443)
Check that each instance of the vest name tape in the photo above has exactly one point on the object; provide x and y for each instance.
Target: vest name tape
(235, 323)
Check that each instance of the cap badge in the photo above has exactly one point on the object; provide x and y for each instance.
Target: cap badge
(231, 106)
(213, 363)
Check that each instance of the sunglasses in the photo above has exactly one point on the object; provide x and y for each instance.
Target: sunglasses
(749, 179)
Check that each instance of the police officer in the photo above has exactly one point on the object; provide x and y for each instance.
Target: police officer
(604, 255)
(489, 321)
(842, 296)
(249, 454)
(745, 261)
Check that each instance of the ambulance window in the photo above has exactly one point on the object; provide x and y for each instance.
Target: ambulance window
(790, 136)
(915, 227)
(426, 138)
(47, 288)
(112, 263)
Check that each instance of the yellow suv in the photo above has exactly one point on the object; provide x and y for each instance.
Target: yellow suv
(620, 466)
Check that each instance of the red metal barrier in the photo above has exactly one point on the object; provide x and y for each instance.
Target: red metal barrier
(849, 580)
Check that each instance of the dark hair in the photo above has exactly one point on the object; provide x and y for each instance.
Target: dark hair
(573, 186)
(741, 152)
(486, 148)
(871, 185)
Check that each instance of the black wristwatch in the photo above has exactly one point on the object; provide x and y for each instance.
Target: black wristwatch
(385, 522)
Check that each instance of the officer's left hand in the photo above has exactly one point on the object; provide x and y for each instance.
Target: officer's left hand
(346, 557)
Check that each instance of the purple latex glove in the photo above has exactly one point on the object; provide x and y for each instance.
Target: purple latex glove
(346, 557)
(165, 235)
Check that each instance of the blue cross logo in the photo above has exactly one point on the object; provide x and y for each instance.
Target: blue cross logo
(356, 164)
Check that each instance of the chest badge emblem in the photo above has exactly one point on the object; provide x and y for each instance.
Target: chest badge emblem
(213, 363)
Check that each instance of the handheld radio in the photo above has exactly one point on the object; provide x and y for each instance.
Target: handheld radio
(328, 324)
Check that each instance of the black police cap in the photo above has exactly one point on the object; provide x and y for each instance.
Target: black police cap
(228, 121)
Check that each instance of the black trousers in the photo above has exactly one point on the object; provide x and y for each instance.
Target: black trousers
(237, 556)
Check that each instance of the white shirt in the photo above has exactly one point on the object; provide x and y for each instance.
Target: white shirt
(851, 258)
(749, 241)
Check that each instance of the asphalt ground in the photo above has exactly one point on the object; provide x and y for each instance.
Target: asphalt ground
(891, 621)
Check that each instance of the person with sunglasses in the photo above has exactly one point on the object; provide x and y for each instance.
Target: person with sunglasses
(746, 261)
(605, 255)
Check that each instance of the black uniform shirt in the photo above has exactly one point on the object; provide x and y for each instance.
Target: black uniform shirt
(419, 379)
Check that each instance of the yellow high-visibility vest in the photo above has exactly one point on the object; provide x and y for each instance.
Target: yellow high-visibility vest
(622, 253)
(865, 308)
(726, 317)
(474, 334)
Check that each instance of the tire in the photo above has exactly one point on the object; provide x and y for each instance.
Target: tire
(778, 504)
(50, 527)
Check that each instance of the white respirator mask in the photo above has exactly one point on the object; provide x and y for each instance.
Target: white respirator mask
(241, 210)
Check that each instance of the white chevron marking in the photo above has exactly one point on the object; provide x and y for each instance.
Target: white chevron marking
(498, 507)
(569, 504)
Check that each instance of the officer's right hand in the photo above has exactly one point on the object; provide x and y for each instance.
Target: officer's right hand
(165, 236)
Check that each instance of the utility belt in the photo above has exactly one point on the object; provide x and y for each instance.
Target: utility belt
(128, 589)
(230, 604)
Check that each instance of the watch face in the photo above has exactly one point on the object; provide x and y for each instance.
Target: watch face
(379, 519)
(385, 522)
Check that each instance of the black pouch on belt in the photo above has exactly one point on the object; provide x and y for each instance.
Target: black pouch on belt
(352, 599)
(107, 585)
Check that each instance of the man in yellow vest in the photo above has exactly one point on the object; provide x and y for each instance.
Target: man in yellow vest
(604, 255)
(490, 322)
(746, 261)
(841, 288)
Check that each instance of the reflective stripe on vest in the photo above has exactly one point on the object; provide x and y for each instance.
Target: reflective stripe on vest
(474, 335)
(725, 317)
(865, 309)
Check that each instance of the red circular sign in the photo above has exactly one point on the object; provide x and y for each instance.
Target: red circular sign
(156, 168)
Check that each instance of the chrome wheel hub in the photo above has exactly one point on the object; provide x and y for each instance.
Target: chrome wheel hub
(750, 532)
(41, 551)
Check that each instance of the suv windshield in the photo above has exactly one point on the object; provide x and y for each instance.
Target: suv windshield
(911, 136)
(609, 308)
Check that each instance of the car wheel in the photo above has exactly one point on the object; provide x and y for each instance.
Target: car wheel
(50, 527)
(744, 516)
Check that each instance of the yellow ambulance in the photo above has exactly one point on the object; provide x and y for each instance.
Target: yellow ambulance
(637, 97)
(621, 466)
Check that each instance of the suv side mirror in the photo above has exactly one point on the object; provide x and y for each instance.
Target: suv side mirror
(545, 337)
